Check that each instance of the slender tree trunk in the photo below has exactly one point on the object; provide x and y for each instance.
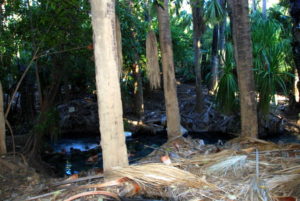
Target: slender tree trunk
(138, 91)
(170, 91)
(295, 13)
(108, 86)
(214, 59)
(222, 39)
(244, 61)
(198, 29)
(2, 124)
(264, 8)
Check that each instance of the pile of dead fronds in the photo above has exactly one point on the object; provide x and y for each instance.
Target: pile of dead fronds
(244, 169)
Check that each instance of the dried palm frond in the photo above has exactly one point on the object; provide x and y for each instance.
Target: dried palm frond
(155, 175)
(232, 164)
(153, 70)
(119, 46)
(246, 142)
(286, 184)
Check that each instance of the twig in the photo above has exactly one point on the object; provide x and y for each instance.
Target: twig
(44, 195)
(78, 180)
(61, 51)
(257, 164)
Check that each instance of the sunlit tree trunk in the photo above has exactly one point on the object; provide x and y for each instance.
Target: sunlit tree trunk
(214, 59)
(198, 28)
(170, 91)
(108, 86)
(244, 61)
(2, 124)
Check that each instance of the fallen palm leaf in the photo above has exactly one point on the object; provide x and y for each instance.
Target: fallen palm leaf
(158, 175)
(285, 183)
(232, 164)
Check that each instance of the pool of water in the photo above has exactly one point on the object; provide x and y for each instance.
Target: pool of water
(71, 156)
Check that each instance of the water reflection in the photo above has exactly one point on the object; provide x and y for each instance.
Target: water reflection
(83, 144)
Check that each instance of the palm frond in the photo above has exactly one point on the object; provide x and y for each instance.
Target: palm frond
(214, 12)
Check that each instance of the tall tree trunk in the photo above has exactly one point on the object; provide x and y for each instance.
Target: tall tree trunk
(244, 61)
(170, 91)
(2, 124)
(108, 86)
(295, 13)
(264, 8)
(214, 59)
(198, 29)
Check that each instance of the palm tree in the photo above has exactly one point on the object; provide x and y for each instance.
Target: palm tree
(215, 15)
(243, 56)
(198, 29)
(171, 101)
(108, 86)
(2, 124)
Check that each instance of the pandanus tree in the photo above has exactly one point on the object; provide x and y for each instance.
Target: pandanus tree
(170, 91)
(244, 62)
(108, 86)
(271, 52)
(215, 15)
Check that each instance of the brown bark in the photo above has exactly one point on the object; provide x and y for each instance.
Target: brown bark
(198, 29)
(2, 124)
(170, 91)
(244, 61)
(108, 86)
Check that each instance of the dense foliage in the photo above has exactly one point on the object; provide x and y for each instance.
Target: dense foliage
(54, 39)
